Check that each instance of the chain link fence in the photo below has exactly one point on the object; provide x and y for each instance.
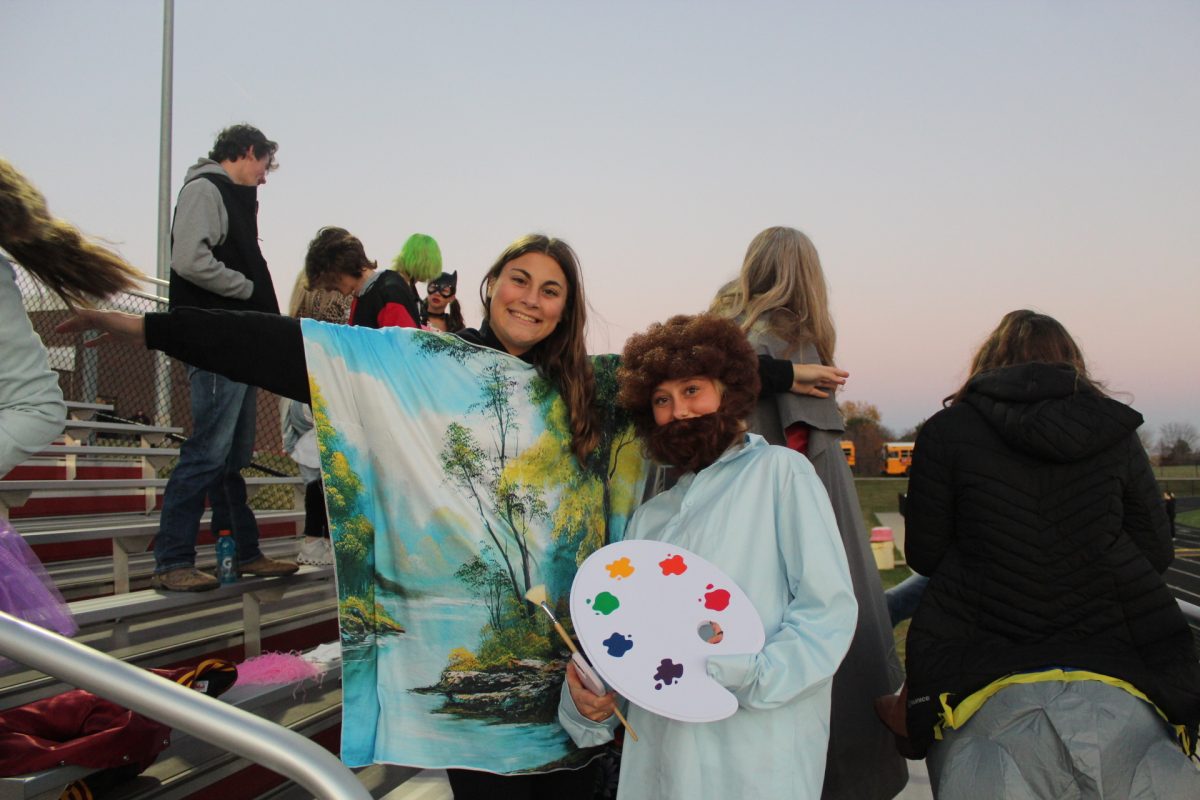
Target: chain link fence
(144, 386)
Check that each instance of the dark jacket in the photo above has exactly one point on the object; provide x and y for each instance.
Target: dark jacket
(1033, 509)
(239, 251)
(267, 350)
(389, 300)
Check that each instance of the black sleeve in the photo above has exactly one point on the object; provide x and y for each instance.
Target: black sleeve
(929, 509)
(1144, 513)
(775, 374)
(265, 350)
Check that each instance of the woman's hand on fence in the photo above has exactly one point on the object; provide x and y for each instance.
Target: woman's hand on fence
(111, 325)
(817, 379)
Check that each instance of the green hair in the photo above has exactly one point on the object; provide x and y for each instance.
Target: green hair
(420, 258)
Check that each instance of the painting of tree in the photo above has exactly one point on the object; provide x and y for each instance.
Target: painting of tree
(590, 492)
(506, 504)
(354, 535)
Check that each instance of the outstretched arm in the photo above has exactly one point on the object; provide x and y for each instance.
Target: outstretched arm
(779, 375)
(264, 350)
(817, 380)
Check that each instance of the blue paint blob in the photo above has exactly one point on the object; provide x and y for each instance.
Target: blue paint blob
(618, 645)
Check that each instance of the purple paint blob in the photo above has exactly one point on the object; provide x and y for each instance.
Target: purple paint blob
(668, 673)
(618, 645)
(605, 603)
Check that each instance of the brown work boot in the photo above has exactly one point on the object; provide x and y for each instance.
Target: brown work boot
(184, 579)
(265, 567)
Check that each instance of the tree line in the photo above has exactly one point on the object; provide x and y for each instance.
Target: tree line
(1175, 443)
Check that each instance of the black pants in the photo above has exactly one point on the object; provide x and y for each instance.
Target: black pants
(565, 784)
(316, 524)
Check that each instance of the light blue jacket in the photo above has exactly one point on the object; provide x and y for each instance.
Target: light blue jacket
(760, 514)
(31, 404)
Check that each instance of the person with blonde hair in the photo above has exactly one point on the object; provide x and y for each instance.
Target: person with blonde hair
(781, 301)
(1048, 657)
(32, 411)
(327, 305)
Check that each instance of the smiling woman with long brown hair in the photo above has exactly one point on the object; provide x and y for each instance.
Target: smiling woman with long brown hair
(534, 310)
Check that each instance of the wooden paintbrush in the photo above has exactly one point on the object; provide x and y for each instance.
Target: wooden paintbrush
(537, 596)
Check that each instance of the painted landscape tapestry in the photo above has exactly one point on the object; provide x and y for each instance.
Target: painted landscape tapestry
(452, 490)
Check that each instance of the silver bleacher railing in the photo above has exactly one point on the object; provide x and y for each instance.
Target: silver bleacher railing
(218, 723)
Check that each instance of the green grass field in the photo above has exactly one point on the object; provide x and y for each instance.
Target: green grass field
(1178, 471)
(1183, 480)
(878, 494)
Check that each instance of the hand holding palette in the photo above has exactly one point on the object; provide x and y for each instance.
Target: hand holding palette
(650, 614)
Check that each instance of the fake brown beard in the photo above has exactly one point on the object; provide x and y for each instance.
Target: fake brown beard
(693, 444)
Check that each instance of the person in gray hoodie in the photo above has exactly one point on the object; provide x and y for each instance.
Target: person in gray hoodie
(216, 263)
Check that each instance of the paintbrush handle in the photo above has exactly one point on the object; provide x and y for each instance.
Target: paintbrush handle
(586, 672)
(625, 722)
(566, 639)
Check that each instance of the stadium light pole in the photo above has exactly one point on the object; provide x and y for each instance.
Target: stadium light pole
(162, 367)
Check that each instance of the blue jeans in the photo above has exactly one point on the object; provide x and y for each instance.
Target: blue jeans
(904, 597)
(210, 461)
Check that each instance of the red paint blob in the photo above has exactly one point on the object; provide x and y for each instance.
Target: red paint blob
(673, 566)
(716, 600)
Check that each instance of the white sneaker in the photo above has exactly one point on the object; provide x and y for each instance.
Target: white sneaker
(315, 551)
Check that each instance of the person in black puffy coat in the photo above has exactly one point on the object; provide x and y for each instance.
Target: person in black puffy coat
(1047, 657)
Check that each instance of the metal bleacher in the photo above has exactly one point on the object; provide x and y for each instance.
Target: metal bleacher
(89, 506)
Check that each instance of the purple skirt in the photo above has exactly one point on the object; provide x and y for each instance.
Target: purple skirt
(26, 591)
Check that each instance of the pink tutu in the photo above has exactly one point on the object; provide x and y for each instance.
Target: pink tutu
(26, 591)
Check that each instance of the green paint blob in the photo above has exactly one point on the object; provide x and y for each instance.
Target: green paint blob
(605, 603)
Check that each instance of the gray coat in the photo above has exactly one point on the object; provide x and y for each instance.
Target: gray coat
(863, 762)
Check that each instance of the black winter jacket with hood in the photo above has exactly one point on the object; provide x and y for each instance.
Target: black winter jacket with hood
(1033, 509)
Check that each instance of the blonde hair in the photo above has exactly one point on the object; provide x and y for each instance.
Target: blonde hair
(53, 250)
(782, 285)
(325, 305)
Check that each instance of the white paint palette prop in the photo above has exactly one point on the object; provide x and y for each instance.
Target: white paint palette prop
(650, 614)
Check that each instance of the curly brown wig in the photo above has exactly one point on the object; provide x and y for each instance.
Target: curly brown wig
(685, 347)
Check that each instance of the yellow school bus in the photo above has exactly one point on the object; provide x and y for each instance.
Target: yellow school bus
(897, 458)
(848, 451)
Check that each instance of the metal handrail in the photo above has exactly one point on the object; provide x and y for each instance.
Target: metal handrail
(274, 747)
